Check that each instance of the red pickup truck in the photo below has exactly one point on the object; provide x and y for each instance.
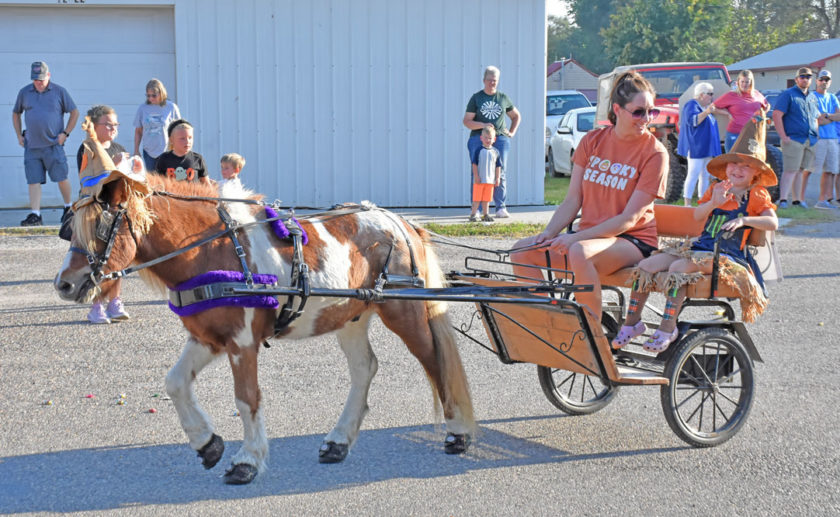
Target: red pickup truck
(671, 82)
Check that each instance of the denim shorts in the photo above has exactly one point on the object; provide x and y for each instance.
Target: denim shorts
(38, 162)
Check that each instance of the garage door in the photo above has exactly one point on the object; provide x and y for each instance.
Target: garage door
(101, 55)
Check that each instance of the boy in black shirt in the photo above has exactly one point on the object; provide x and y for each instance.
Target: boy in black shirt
(180, 162)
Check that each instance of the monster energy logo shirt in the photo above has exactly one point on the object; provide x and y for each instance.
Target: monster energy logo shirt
(490, 108)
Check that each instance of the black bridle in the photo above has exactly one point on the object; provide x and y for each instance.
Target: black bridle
(107, 228)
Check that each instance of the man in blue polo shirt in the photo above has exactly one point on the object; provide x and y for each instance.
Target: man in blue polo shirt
(44, 104)
(795, 117)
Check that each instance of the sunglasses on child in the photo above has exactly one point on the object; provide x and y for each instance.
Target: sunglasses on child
(641, 112)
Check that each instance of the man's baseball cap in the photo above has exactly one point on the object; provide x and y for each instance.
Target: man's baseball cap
(804, 71)
(39, 71)
(824, 73)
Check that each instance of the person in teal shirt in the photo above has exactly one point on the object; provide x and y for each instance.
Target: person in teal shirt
(489, 107)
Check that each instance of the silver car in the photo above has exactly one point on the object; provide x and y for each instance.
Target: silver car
(565, 139)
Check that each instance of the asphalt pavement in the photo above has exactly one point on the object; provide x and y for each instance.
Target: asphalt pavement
(77, 434)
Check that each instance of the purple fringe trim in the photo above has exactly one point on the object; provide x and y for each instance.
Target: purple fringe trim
(212, 277)
(260, 302)
(280, 229)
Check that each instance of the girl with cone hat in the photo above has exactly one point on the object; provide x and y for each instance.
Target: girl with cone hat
(96, 160)
(732, 208)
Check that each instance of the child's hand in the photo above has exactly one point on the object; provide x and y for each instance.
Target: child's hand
(720, 192)
(733, 224)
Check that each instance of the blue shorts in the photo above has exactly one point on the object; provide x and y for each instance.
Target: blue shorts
(38, 162)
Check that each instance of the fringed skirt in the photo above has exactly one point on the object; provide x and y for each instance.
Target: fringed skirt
(731, 274)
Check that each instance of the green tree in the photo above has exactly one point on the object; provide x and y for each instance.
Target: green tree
(669, 30)
(758, 26)
(560, 39)
(590, 17)
(827, 15)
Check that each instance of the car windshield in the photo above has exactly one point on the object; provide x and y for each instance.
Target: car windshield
(586, 121)
(560, 104)
(672, 83)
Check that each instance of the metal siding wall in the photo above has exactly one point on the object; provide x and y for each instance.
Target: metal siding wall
(333, 101)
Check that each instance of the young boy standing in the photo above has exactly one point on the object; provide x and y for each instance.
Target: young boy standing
(181, 162)
(232, 164)
(486, 171)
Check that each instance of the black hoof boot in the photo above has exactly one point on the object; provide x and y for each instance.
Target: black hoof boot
(240, 474)
(331, 452)
(212, 451)
(456, 443)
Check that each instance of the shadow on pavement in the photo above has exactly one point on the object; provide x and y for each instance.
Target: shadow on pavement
(137, 475)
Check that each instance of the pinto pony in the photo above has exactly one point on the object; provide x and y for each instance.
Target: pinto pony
(346, 249)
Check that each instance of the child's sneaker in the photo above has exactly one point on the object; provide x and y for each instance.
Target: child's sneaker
(473, 218)
(97, 314)
(116, 311)
(487, 218)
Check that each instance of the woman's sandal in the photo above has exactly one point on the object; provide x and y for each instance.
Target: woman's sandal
(626, 333)
(659, 341)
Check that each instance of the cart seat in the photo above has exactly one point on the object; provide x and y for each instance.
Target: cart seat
(679, 222)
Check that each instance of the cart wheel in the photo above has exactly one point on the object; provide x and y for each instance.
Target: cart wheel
(711, 388)
(578, 393)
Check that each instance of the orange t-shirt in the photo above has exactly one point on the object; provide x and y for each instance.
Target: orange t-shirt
(612, 170)
(758, 202)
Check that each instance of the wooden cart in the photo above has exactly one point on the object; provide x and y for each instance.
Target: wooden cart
(706, 377)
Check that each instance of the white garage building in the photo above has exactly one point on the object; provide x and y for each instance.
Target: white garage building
(328, 100)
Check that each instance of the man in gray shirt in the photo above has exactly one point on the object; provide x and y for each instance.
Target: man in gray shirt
(45, 104)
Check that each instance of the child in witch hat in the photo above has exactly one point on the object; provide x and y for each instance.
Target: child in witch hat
(735, 205)
(96, 168)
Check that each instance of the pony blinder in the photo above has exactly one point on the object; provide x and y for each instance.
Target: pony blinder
(104, 226)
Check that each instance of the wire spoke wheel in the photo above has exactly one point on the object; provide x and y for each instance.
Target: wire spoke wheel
(711, 388)
(578, 393)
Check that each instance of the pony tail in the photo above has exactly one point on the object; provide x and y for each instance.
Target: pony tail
(460, 407)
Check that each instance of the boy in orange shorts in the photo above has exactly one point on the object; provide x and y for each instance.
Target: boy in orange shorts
(486, 170)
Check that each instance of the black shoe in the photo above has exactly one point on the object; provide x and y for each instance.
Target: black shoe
(65, 214)
(32, 220)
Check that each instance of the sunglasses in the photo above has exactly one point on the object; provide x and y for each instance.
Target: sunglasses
(804, 76)
(641, 112)
(824, 79)
(153, 95)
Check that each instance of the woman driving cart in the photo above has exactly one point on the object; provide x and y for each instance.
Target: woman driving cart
(618, 173)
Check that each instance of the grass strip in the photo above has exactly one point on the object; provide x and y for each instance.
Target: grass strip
(505, 230)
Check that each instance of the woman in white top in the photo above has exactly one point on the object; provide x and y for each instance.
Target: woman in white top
(151, 121)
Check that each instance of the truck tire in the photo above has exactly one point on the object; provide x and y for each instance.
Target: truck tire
(774, 160)
(676, 173)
